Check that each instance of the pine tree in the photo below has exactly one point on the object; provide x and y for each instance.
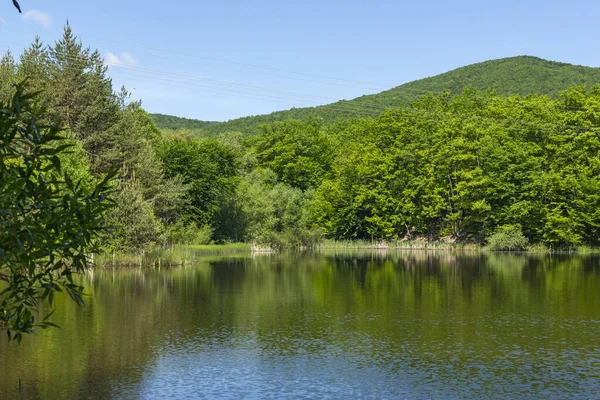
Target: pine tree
(33, 67)
(7, 76)
(82, 99)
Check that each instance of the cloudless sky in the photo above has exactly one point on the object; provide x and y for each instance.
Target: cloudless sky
(217, 60)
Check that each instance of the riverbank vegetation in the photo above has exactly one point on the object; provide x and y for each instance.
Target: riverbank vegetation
(470, 169)
(175, 256)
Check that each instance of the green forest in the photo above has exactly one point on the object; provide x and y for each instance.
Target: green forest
(468, 163)
(299, 200)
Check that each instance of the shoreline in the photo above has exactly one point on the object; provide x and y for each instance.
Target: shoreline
(182, 255)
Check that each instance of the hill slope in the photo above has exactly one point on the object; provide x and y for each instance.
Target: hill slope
(171, 122)
(514, 75)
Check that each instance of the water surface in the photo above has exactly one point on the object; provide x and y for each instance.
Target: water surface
(344, 325)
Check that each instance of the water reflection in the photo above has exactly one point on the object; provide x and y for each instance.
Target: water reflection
(339, 325)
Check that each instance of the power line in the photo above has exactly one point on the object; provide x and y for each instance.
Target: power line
(335, 81)
(271, 94)
(354, 109)
(404, 89)
(281, 95)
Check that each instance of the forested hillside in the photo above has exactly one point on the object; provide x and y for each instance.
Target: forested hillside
(515, 75)
(471, 166)
(171, 122)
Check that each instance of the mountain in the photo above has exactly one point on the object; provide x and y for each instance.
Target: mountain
(171, 122)
(513, 75)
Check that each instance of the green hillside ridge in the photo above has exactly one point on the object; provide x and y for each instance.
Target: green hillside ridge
(513, 75)
(173, 122)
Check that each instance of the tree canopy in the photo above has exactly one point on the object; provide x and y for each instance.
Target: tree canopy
(466, 165)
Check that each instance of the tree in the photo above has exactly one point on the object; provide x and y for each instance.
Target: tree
(133, 223)
(275, 214)
(80, 96)
(34, 66)
(209, 169)
(107, 132)
(7, 76)
(298, 152)
(49, 222)
(146, 201)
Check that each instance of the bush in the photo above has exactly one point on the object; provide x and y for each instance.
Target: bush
(275, 214)
(508, 237)
(133, 224)
(182, 233)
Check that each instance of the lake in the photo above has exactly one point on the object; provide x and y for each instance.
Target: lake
(397, 325)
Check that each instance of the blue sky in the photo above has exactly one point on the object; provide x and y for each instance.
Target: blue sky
(225, 59)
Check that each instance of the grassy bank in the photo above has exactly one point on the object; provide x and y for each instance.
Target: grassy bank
(396, 244)
(440, 245)
(174, 256)
(182, 255)
(220, 248)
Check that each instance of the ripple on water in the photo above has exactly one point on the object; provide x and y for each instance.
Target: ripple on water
(278, 366)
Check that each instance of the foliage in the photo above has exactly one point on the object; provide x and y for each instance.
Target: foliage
(190, 233)
(508, 237)
(79, 95)
(462, 166)
(209, 169)
(8, 78)
(299, 153)
(133, 223)
(107, 132)
(457, 166)
(50, 222)
(170, 122)
(275, 214)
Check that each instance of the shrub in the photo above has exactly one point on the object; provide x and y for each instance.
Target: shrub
(508, 237)
(182, 233)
